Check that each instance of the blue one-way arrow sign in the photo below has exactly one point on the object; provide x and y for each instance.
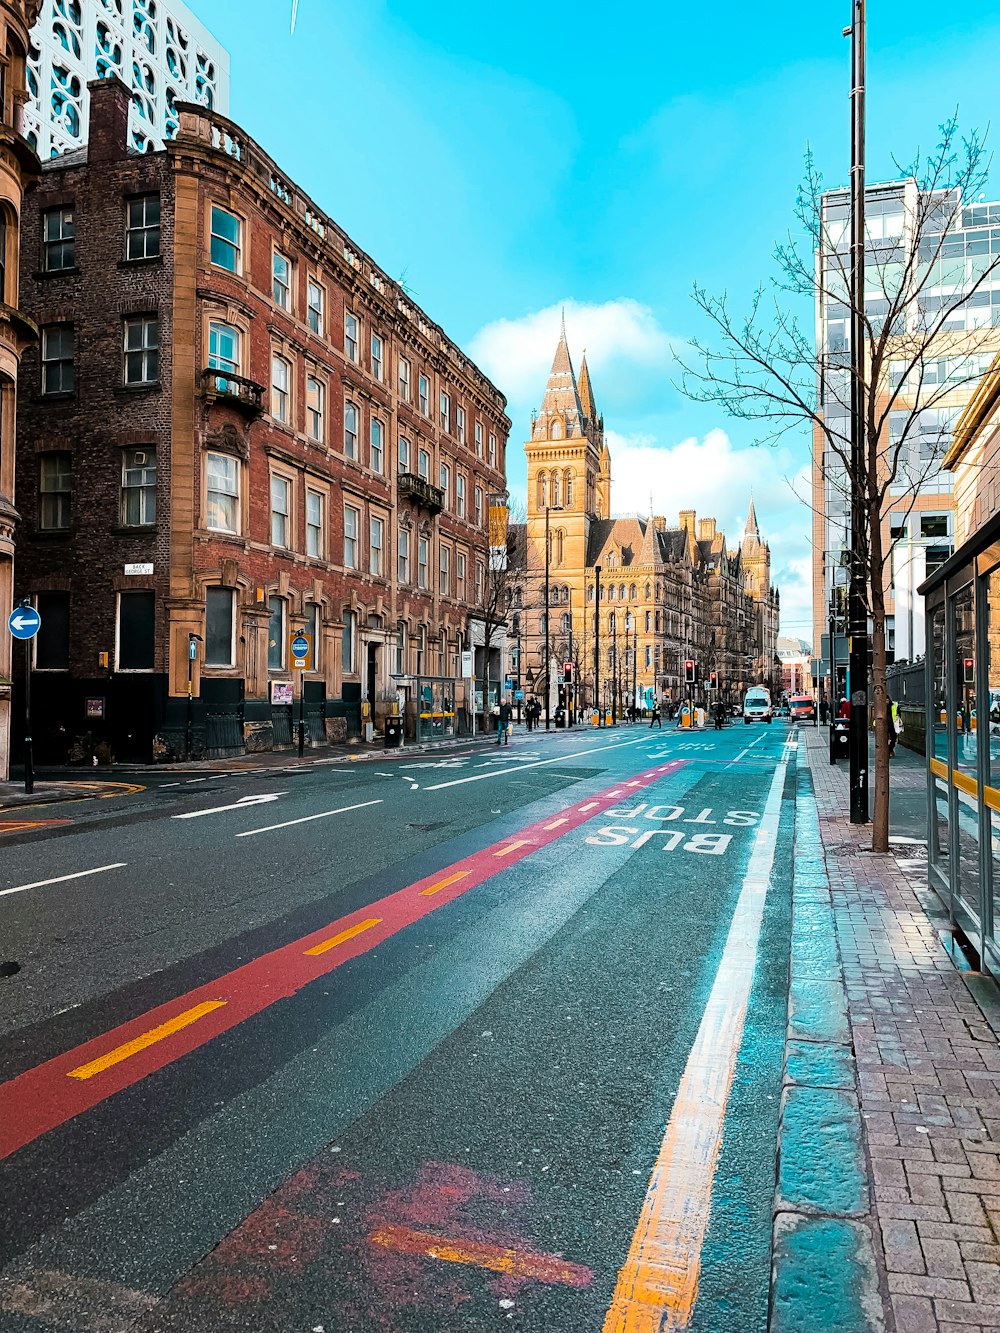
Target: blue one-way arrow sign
(24, 622)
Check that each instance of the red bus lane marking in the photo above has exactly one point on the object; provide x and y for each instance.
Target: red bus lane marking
(47, 1096)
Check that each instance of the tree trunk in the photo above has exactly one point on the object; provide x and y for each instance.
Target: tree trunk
(879, 702)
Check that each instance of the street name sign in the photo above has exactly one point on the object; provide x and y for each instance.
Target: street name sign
(24, 622)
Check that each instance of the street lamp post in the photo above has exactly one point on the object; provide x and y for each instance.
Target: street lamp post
(597, 645)
(630, 625)
(548, 675)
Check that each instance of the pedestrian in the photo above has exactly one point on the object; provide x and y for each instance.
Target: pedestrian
(506, 723)
(895, 725)
(720, 715)
(824, 710)
(655, 717)
(844, 710)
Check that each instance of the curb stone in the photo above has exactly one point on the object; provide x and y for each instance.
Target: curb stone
(824, 1270)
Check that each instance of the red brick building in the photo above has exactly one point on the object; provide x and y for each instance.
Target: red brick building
(237, 429)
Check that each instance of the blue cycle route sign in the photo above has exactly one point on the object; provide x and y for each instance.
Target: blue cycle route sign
(24, 622)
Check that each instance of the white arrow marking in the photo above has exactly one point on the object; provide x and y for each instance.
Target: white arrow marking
(19, 621)
(239, 805)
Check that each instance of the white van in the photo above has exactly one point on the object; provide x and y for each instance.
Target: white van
(757, 705)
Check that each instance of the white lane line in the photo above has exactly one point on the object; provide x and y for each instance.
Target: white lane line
(241, 804)
(307, 819)
(170, 784)
(658, 1284)
(521, 768)
(748, 748)
(192, 780)
(61, 879)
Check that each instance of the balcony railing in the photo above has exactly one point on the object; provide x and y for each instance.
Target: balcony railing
(238, 392)
(410, 486)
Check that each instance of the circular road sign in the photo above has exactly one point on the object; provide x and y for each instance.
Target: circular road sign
(300, 646)
(24, 622)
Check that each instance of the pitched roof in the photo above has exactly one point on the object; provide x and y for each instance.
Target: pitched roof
(587, 392)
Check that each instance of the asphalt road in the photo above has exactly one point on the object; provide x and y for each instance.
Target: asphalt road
(468, 1041)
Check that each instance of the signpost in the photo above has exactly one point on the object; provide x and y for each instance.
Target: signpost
(24, 622)
(301, 653)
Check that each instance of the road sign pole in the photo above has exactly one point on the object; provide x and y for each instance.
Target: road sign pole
(302, 714)
(29, 755)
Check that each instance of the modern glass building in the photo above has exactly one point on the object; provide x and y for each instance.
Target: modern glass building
(920, 518)
(157, 47)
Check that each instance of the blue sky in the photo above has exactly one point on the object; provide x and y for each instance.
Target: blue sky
(509, 160)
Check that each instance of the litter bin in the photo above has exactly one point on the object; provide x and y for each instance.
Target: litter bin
(393, 733)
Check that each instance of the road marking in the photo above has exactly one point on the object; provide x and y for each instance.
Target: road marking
(658, 1284)
(307, 819)
(61, 879)
(523, 1264)
(241, 804)
(42, 1098)
(556, 822)
(21, 825)
(540, 763)
(512, 847)
(615, 793)
(443, 883)
(149, 1038)
(591, 805)
(347, 934)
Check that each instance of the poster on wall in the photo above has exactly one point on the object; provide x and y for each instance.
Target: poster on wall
(282, 692)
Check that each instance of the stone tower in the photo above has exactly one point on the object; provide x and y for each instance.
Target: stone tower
(756, 560)
(18, 167)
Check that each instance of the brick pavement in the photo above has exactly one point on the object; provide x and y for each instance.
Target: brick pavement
(929, 1078)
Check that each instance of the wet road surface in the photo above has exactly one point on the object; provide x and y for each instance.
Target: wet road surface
(482, 1041)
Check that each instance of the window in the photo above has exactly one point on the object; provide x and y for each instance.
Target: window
(219, 627)
(377, 356)
(934, 525)
(281, 377)
(58, 244)
(51, 643)
(399, 652)
(461, 573)
(481, 586)
(276, 634)
(493, 450)
(347, 644)
(424, 389)
(376, 456)
(142, 227)
(281, 274)
(350, 431)
(55, 477)
(223, 511)
(479, 439)
(423, 561)
(404, 454)
(445, 481)
(223, 347)
(376, 546)
(460, 423)
(316, 306)
(281, 506)
(58, 349)
(314, 524)
(404, 379)
(136, 630)
(479, 506)
(139, 487)
(424, 464)
(352, 524)
(403, 556)
(315, 398)
(460, 494)
(314, 617)
(142, 349)
(352, 332)
(445, 412)
(227, 243)
(649, 622)
(445, 571)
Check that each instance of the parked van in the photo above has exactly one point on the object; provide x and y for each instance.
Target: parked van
(757, 705)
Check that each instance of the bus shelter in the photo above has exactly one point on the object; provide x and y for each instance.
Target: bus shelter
(962, 679)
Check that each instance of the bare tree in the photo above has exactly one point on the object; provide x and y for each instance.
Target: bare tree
(498, 573)
(925, 295)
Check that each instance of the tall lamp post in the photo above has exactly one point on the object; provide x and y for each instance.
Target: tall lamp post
(549, 509)
(630, 625)
(597, 646)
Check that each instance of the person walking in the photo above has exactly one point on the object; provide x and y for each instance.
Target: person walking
(505, 723)
(895, 725)
(844, 710)
(655, 717)
(824, 710)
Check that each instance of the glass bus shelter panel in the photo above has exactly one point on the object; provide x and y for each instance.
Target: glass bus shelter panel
(965, 803)
(939, 833)
(939, 746)
(991, 588)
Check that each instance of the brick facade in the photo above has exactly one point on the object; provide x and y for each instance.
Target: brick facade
(262, 569)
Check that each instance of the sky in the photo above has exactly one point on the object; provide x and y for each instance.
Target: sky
(511, 161)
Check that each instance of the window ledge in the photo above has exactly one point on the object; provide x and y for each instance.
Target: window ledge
(134, 530)
(151, 386)
(64, 396)
(53, 534)
(43, 274)
(146, 261)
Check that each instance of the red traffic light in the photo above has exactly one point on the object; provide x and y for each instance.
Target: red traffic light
(689, 671)
(567, 670)
(970, 670)
(715, 679)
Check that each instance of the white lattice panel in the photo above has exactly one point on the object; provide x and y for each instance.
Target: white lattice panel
(161, 51)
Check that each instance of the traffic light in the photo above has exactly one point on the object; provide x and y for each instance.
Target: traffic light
(714, 678)
(970, 671)
(567, 672)
(689, 671)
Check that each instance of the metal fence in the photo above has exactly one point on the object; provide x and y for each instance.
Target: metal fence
(906, 683)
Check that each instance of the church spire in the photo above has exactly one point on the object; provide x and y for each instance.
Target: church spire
(586, 391)
(751, 529)
(562, 399)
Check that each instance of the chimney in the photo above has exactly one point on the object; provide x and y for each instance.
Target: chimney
(706, 529)
(659, 523)
(687, 520)
(108, 133)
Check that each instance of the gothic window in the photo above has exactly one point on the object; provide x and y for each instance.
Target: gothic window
(555, 490)
(632, 592)
(621, 593)
(557, 429)
(649, 592)
(542, 490)
(568, 488)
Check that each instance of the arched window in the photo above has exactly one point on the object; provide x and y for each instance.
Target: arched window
(649, 592)
(543, 622)
(612, 593)
(543, 490)
(632, 592)
(612, 561)
(565, 623)
(567, 488)
(555, 490)
(621, 593)
(590, 592)
(557, 430)
(560, 546)
(649, 621)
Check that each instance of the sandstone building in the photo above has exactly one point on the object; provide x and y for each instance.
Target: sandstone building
(239, 429)
(666, 595)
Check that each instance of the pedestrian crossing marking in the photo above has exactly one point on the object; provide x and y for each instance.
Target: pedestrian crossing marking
(344, 935)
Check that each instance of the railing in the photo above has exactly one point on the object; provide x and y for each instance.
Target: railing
(240, 392)
(409, 485)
